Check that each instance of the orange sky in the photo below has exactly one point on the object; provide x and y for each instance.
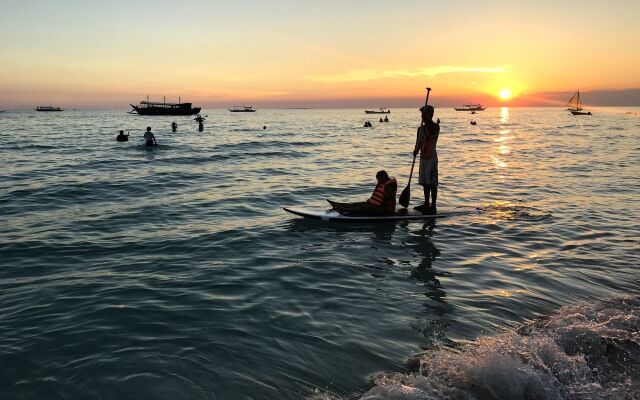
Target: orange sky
(93, 54)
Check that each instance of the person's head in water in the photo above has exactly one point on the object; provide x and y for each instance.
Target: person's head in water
(264, 127)
(148, 129)
(382, 176)
(427, 113)
(121, 133)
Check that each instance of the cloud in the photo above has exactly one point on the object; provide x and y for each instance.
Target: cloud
(362, 75)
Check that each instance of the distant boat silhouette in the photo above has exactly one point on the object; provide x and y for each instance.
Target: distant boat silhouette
(575, 106)
(380, 111)
(244, 108)
(48, 108)
(470, 107)
(164, 108)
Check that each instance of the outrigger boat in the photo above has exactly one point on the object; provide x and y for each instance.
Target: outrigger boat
(244, 108)
(48, 108)
(380, 111)
(470, 107)
(164, 108)
(575, 106)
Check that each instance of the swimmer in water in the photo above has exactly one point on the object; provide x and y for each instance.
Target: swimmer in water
(122, 137)
(149, 138)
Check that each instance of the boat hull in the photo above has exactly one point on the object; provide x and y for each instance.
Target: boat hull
(166, 111)
(574, 112)
(377, 112)
(470, 109)
(243, 110)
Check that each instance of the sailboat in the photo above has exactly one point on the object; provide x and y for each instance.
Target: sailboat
(575, 106)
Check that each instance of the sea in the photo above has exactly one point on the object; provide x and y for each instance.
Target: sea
(173, 272)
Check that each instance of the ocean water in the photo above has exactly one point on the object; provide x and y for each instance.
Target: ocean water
(173, 272)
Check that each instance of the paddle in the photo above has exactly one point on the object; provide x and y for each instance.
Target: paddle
(405, 196)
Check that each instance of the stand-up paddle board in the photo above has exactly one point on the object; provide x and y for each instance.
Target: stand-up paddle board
(402, 214)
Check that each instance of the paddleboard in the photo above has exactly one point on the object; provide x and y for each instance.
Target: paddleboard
(402, 214)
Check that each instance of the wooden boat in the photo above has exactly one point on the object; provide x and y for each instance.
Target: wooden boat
(470, 107)
(380, 111)
(48, 108)
(164, 108)
(244, 108)
(575, 106)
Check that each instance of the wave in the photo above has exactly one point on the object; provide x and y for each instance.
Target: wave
(581, 352)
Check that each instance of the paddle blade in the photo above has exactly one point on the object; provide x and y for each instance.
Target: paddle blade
(405, 197)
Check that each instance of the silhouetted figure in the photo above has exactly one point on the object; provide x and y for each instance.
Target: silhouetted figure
(438, 121)
(149, 138)
(264, 127)
(199, 119)
(381, 120)
(473, 122)
(174, 127)
(122, 137)
(386, 119)
(382, 201)
(426, 145)
(367, 124)
(200, 126)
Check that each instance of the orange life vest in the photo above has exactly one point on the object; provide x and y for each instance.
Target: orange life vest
(382, 192)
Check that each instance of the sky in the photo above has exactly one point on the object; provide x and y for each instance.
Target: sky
(285, 53)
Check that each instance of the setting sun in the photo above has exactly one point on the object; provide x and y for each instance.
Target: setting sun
(505, 94)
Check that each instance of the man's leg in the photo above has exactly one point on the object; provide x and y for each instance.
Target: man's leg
(426, 191)
(425, 206)
(362, 208)
(421, 181)
(434, 196)
(433, 185)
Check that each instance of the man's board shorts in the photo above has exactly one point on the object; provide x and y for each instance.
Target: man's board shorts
(428, 172)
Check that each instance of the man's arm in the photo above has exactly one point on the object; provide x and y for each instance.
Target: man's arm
(434, 132)
(419, 140)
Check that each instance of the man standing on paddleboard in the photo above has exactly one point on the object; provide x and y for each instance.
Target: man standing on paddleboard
(426, 141)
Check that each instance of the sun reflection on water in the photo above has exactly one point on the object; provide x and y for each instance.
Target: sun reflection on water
(504, 115)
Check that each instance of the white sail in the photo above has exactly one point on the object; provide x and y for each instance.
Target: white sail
(574, 102)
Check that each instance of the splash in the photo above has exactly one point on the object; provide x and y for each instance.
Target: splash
(581, 352)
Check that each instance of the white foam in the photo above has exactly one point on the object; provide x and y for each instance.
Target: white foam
(581, 352)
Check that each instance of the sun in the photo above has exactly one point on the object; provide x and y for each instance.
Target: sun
(505, 94)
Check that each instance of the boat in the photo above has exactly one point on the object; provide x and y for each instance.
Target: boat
(575, 106)
(244, 108)
(380, 111)
(470, 107)
(164, 108)
(48, 108)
